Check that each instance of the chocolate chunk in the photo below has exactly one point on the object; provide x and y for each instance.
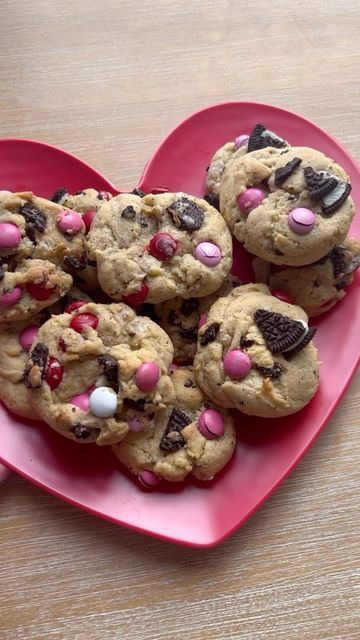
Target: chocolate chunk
(283, 173)
(34, 217)
(188, 383)
(76, 263)
(279, 332)
(186, 214)
(82, 433)
(128, 213)
(138, 192)
(110, 367)
(38, 358)
(210, 334)
(189, 334)
(271, 372)
(189, 306)
(172, 439)
(304, 342)
(260, 137)
(213, 200)
(330, 189)
(137, 405)
(245, 343)
(59, 194)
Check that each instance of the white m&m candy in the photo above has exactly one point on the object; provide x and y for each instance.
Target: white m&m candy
(103, 402)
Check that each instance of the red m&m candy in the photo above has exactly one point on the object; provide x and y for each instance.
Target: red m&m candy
(83, 320)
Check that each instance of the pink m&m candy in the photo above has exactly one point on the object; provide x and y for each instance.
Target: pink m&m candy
(27, 337)
(237, 363)
(147, 376)
(11, 297)
(208, 253)
(81, 401)
(211, 424)
(10, 235)
(202, 319)
(69, 222)
(148, 479)
(138, 423)
(241, 141)
(250, 199)
(301, 220)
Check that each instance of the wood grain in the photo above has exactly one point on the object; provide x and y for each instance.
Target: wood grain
(107, 80)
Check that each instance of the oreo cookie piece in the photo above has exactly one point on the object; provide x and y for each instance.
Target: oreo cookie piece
(186, 214)
(172, 439)
(81, 432)
(59, 195)
(260, 137)
(210, 334)
(38, 358)
(327, 188)
(283, 173)
(128, 213)
(110, 367)
(338, 260)
(271, 372)
(279, 332)
(34, 217)
(76, 263)
(302, 344)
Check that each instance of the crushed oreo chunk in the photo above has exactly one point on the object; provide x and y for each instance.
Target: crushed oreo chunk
(144, 222)
(128, 213)
(82, 433)
(35, 219)
(189, 306)
(76, 263)
(246, 343)
(279, 332)
(283, 173)
(138, 192)
(327, 188)
(186, 214)
(271, 372)
(110, 367)
(210, 334)
(260, 137)
(189, 334)
(189, 383)
(137, 405)
(172, 439)
(301, 345)
(338, 259)
(213, 200)
(38, 358)
(59, 195)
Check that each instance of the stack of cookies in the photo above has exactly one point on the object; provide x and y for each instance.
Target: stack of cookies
(121, 325)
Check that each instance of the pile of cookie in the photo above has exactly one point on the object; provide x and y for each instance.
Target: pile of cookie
(121, 325)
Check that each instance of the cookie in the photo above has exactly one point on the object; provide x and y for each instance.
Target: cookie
(158, 247)
(89, 365)
(288, 206)
(15, 342)
(316, 287)
(35, 234)
(255, 353)
(181, 319)
(87, 202)
(190, 436)
(258, 138)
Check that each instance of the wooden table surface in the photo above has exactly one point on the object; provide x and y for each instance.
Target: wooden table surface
(107, 80)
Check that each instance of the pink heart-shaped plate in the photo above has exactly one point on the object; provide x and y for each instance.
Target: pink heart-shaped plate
(87, 476)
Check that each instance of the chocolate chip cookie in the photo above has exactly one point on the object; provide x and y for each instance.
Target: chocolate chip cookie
(88, 365)
(255, 353)
(289, 206)
(181, 319)
(158, 247)
(316, 287)
(190, 436)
